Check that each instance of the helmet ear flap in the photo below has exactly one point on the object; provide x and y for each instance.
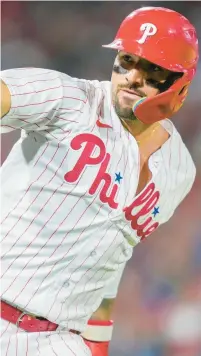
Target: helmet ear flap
(162, 106)
(156, 108)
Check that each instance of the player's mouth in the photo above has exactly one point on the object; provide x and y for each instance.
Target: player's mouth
(129, 96)
(132, 93)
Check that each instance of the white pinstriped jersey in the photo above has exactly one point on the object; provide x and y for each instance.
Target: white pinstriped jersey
(70, 214)
(16, 341)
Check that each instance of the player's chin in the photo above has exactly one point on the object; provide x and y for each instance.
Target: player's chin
(123, 103)
(124, 112)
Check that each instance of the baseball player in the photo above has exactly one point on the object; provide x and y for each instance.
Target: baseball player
(98, 167)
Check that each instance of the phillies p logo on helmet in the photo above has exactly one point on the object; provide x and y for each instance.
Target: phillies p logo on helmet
(149, 30)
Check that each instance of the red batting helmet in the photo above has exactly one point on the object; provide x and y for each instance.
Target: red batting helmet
(168, 39)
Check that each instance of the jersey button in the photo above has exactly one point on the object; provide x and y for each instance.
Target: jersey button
(93, 253)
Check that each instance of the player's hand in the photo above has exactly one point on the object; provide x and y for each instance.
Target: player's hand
(97, 336)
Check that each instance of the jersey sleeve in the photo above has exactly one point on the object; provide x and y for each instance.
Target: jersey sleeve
(111, 289)
(188, 182)
(185, 185)
(38, 99)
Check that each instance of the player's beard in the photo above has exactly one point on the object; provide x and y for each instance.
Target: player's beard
(123, 113)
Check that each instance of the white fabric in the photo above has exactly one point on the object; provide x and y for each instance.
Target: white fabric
(15, 341)
(70, 217)
(111, 289)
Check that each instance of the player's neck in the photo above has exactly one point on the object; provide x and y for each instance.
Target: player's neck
(139, 130)
(149, 137)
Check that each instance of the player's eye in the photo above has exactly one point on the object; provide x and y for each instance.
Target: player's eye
(127, 58)
(155, 68)
(152, 82)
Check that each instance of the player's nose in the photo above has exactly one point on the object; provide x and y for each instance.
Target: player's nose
(135, 76)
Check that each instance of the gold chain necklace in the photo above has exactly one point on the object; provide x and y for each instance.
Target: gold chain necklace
(147, 137)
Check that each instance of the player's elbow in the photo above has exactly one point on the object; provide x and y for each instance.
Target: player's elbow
(104, 312)
(5, 99)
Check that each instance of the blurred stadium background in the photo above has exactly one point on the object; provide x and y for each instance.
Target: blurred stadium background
(158, 311)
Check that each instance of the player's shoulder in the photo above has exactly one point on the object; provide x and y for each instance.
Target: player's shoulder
(186, 159)
(98, 91)
(88, 84)
(178, 150)
(181, 167)
(95, 89)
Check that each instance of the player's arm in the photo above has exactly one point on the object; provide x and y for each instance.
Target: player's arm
(98, 333)
(30, 98)
(100, 327)
(34, 99)
(104, 312)
(5, 99)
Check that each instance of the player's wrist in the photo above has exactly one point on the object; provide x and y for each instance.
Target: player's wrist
(98, 330)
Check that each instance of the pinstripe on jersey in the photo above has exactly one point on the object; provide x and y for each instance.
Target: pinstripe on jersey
(15, 341)
(70, 217)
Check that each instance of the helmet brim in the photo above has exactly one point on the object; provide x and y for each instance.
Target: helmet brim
(162, 59)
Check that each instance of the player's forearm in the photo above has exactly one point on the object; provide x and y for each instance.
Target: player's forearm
(98, 333)
(5, 99)
(104, 312)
